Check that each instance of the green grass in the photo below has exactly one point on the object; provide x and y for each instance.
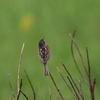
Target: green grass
(29, 21)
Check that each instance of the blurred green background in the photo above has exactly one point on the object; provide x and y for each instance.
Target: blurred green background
(27, 21)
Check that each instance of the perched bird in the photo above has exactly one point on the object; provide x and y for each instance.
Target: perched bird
(44, 55)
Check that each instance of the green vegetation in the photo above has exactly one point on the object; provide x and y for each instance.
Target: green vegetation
(27, 21)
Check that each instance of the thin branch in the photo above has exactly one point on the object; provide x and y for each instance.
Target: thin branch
(24, 95)
(77, 97)
(81, 93)
(56, 86)
(70, 76)
(92, 89)
(94, 82)
(73, 41)
(89, 73)
(19, 66)
(65, 81)
(91, 86)
(11, 87)
(74, 34)
(79, 54)
(19, 90)
(30, 85)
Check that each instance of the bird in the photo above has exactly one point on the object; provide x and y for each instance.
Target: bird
(44, 55)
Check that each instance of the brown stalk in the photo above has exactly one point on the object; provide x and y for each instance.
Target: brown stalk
(56, 86)
(73, 41)
(94, 82)
(13, 95)
(34, 94)
(19, 90)
(77, 97)
(70, 77)
(65, 81)
(91, 85)
(19, 66)
(24, 95)
(81, 93)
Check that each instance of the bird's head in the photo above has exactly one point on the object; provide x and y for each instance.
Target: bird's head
(41, 43)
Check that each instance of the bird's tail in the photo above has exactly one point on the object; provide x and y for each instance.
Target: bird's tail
(46, 71)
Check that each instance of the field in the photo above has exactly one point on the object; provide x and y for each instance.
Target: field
(28, 21)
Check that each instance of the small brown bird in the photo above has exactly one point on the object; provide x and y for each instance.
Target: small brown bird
(44, 55)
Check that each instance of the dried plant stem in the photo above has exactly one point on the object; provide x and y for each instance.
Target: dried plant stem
(24, 95)
(81, 93)
(30, 85)
(91, 85)
(19, 90)
(70, 76)
(89, 73)
(65, 81)
(11, 87)
(77, 97)
(73, 41)
(79, 54)
(19, 66)
(94, 82)
(56, 86)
